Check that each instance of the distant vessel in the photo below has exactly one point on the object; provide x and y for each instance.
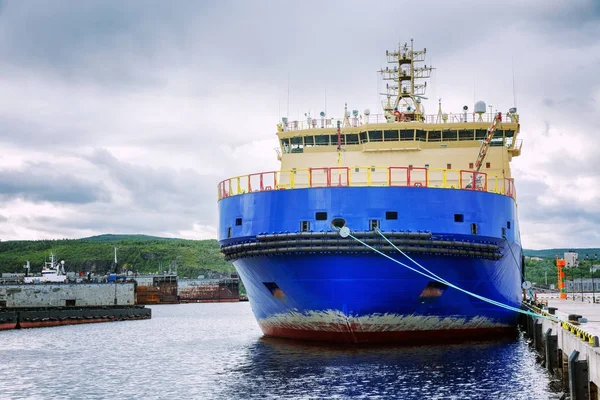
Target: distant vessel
(437, 187)
(52, 272)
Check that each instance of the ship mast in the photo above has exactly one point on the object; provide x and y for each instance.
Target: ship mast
(404, 92)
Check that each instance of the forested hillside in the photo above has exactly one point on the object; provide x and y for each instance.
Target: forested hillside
(544, 270)
(138, 253)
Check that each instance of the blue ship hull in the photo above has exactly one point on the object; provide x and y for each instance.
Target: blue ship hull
(352, 294)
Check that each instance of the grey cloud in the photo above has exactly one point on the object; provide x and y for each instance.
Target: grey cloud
(162, 190)
(204, 80)
(41, 182)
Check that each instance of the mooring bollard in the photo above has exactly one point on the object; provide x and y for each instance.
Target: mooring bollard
(551, 345)
(578, 377)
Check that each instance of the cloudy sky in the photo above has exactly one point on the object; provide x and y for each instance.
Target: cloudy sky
(122, 117)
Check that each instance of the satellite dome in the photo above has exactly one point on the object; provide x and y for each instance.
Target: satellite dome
(322, 113)
(367, 111)
(480, 107)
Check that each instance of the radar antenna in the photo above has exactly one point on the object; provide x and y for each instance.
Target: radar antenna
(404, 92)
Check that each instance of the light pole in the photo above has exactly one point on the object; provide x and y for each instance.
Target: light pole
(593, 284)
(581, 283)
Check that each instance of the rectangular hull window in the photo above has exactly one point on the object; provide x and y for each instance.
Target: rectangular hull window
(391, 215)
(321, 216)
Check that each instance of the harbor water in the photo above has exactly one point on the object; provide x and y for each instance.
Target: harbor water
(216, 351)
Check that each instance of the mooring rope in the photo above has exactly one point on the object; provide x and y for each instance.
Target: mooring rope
(514, 258)
(345, 232)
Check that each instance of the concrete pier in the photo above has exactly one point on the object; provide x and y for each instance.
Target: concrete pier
(569, 346)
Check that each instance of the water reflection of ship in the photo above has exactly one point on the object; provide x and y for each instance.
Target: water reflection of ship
(287, 368)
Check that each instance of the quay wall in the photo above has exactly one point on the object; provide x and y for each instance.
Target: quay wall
(66, 295)
(569, 337)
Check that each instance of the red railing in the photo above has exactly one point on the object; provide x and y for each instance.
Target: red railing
(366, 176)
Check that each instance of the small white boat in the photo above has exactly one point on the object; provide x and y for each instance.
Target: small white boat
(51, 272)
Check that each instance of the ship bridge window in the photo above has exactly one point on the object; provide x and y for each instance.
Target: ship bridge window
(497, 141)
(407, 134)
(363, 137)
(509, 133)
(465, 135)
(285, 145)
(297, 144)
(390, 136)
(435, 136)
(448, 136)
(352, 138)
(480, 134)
(421, 135)
(322, 140)
(334, 139)
(375, 136)
(309, 141)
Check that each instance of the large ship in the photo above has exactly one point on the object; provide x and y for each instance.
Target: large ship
(324, 245)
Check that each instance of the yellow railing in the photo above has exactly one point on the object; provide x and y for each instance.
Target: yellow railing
(366, 176)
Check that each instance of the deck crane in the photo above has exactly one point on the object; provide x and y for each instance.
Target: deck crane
(485, 144)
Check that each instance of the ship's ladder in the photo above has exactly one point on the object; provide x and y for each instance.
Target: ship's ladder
(485, 145)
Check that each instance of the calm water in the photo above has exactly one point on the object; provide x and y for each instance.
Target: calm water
(215, 351)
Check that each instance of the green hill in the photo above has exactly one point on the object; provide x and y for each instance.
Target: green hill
(138, 253)
(113, 238)
(551, 253)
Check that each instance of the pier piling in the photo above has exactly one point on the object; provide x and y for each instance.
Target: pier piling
(578, 377)
(537, 335)
(551, 347)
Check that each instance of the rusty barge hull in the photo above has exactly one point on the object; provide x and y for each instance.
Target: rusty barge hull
(223, 291)
(24, 318)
